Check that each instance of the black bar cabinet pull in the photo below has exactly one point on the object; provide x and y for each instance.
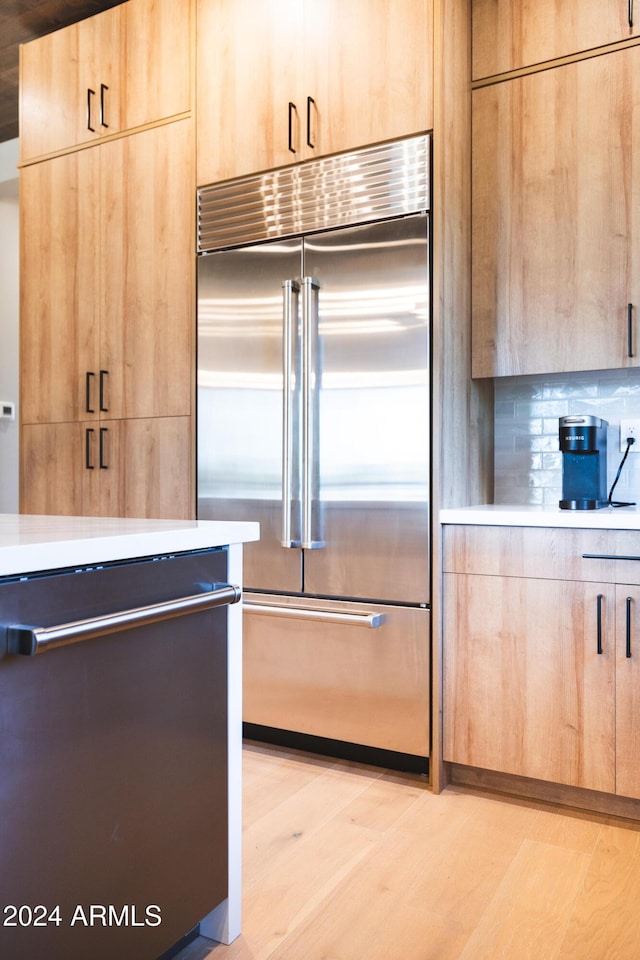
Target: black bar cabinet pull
(310, 101)
(599, 621)
(87, 448)
(292, 110)
(629, 329)
(629, 602)
(87, 388)
(630, 11)
(90, 93)
(103, 89)
(608, 556)
(103, 464)
(103, 407)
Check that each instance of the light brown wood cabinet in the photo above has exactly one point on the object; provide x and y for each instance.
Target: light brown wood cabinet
(121, 69)
(542, 655)
(107, 307)
(556, 219)
(508, 35)
(118, 468)
(107, 295)
(281, 82)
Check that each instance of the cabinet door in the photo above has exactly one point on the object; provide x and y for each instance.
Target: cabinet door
(147, 468)
(628, 691)
(60, 471)
(123, 68)
(147, 264)
(368, 68)
(69, 89)
(508, 35)
(248, 68)
(525, 690)
(556, 207)
(155, 61)
(59, 290)
(307, 79)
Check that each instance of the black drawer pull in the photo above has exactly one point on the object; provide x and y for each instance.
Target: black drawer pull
(292, 110)
(103, 406)
(599, 623)
(103, 464)
(310, 101)
(90, 93)
(607, 556)
(87, 392)
(629, 602)
(87, 448)
(629, 326)
(103, 90)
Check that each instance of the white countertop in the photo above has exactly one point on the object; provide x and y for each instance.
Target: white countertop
(493, 514)
(30, 543)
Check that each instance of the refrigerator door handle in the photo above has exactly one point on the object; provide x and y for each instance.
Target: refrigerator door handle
(290, 294)
(310, 386)
(371, 620)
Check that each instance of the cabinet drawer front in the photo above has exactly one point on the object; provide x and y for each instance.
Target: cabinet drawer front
(339, 680)
(606, 556)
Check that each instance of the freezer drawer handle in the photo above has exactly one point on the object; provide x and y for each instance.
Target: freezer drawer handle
(325, 616)
(28, 640)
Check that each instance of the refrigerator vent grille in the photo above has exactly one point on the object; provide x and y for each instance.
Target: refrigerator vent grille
(376, 183)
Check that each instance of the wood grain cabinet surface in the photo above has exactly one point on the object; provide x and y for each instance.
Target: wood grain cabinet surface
(508, 36)
(556, 219)
(541, 673)
(308, 78)
(117, 468)
(121, 69)
(107, 314)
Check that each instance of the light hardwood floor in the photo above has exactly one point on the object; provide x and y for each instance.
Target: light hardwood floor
(349, 862)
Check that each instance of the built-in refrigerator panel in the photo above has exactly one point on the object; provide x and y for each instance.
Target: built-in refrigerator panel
(372, 421)
(240, 384)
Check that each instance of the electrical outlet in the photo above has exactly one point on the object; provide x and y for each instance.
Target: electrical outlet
(628, 429)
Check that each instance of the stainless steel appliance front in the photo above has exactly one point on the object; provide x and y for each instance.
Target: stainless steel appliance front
(313, 418)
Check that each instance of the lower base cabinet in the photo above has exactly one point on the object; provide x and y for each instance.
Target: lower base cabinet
(114, 468)
(542, 673)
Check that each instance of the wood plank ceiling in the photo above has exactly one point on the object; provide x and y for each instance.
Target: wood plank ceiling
(22, 20)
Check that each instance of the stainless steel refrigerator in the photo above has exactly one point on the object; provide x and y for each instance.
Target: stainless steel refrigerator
(313, 418)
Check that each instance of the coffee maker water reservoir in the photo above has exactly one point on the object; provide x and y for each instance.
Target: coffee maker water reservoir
(583, 443)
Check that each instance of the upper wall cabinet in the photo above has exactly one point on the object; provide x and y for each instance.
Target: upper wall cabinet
(113, 72)
(556, 219)
(280, 81)
(508, 35)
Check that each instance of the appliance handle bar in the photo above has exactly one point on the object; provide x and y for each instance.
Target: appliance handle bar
(325, 616)
(309, 409)
(29, 640)
(290, 291)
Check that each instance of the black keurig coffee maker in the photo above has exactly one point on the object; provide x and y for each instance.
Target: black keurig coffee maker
(583, 443)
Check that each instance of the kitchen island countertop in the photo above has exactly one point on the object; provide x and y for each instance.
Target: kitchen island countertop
(495, 514)
(33, 543)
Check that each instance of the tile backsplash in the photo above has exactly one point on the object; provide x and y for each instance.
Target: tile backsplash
(528, 463)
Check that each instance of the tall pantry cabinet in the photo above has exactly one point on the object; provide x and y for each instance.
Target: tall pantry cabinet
(556, 204)
(107, 294)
